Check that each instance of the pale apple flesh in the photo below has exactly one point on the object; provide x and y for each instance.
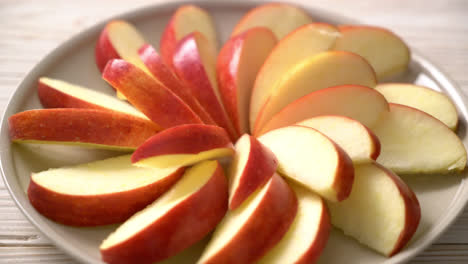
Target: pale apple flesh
(422, 98)
(118, 190)
(312, 159)
(358, 141)
(179, 218)
(416, 142)
(244, 235)
(382, 212)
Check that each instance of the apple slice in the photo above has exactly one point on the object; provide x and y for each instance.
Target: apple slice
(307, 235)
(237, 66)
(358, 141)
(382, 212)
(179, 218)
(164, 74)
(361, 103)
(324, 70)
(86, 127)
(252, 166)
(195, 63)
(312, 159)
(59, 94)
(280, 18)
(415, 142)
(183, 146)
(304, 42)
(247, 233)
(186, 19)
(385, 51)
(148, 95)
(422, 98)
(98, 193)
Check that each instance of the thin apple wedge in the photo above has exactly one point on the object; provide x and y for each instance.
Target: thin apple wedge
(361, 103)
(280, 18)
(307, 235)
(252, 166)
(182, 146)
(312, 159)
(85, 127)
(416, 142)
(247, 233)
(179, 218)
(382, 212)
(327, 69)
(237, 66)
(98, 193)
(422, 98)
(358, 141)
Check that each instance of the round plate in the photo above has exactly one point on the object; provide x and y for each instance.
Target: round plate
(442, 198)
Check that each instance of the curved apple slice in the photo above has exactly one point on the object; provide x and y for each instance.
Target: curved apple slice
(307, 235)
(183, 146)
(237, 66)
(385, 51)
(186, 19)
(86, 127)
(415, 142)
(312, 159)
(252, 166)
(422, 98)
(304, 42)
(382, 212)
(361, 103)
(179, 218)
(321, 71)
(280, 18)
(358, 141)
(65, 194)
(246, 234)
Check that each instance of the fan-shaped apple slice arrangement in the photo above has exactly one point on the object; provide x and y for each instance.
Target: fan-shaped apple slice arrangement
(305, 90)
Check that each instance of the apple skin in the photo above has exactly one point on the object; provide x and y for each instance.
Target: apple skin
(94, 210)
(182, 226)
(104, 50)
(106, 128)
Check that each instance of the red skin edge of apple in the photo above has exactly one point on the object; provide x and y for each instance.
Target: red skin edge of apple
(276, 211)
(182, 226)
(377, 146)
(104, 50)
(260, 167)
(168, 43)
(183, 139)
(99, 209)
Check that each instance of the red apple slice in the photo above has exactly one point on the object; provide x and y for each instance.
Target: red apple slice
(312, 159)
(186, 19)
(385, 51)
(382, 212)
(85, 127)
(238, 64)
(280, 18)
(415, 142)
(324, 70)
(304, 42)
(307, 235)
(98, 193)
(183, 146)
(361, 103)
(178, 219)
(246, 234)
(163, 74)
(252, 166)
(422, 98)
(358, 141)
(148, 95)
(195, 63)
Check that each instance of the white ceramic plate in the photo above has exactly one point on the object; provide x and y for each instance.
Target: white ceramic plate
(442, 198)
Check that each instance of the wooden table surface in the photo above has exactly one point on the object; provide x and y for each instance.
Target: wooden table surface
(30, 29)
